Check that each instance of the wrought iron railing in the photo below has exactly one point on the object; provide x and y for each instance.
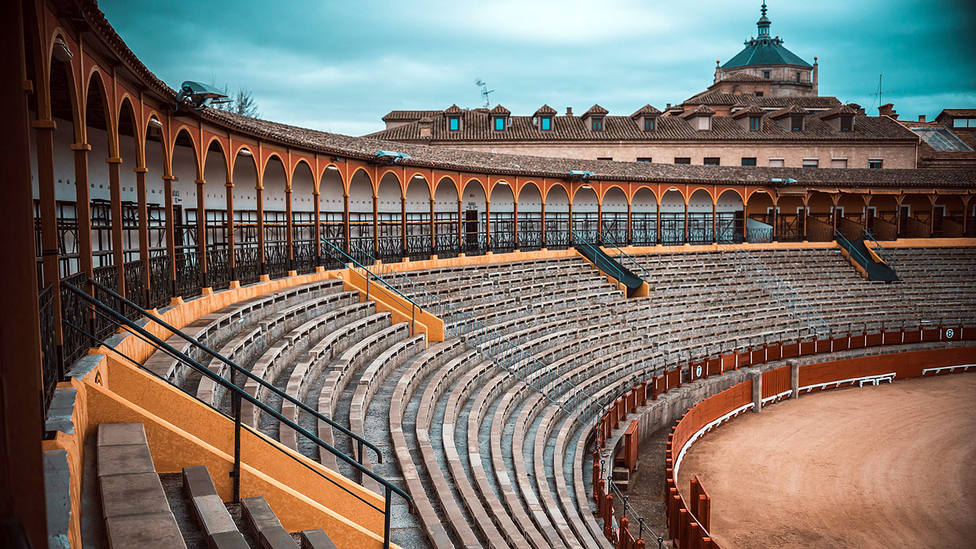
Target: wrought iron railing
(885, 256)
(238, 395)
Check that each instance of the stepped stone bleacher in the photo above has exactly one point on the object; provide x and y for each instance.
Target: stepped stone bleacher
(488, 430)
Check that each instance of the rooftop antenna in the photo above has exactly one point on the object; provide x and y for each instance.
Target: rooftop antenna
(484, 91)
(879, 88)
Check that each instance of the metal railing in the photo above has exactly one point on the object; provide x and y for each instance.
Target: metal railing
(849, 246)
(367, 274)
(613, 269)
(629, 509)
(780, 290)
(884, 254)
(608, 241)
(237, 396)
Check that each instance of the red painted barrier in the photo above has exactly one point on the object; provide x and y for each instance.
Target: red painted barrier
(689, 520)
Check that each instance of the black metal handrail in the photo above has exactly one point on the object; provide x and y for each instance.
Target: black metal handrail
(238, 395)
(878, 249)
(362, 442)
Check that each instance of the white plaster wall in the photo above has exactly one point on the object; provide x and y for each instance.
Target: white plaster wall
(529, 199)
(215, 175)
(184, 187)
(585, 201)
(729, 202)
(330, 192)
(273, 194)
(615, 201)
(557, 200)
(473, 197)
(245, 184)
(644, 202)
(502, 198)
(155, 187)
(445, 197)
(388, 196)
(418, 196)
(700, 203)
(302, 189)
(128, 186)
(672, 202)
(360, 194)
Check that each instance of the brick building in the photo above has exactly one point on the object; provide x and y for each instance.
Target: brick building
(763, 109)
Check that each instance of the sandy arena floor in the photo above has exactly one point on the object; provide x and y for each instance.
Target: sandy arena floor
(888, 466)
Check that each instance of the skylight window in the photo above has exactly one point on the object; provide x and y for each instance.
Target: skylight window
(942, 139)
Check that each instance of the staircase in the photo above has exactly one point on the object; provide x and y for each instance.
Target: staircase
(610, 266)
(146, 509)
(875, 268)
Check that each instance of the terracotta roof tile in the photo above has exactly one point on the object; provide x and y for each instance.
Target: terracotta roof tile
(462, 160)
(787, 111)
(646, 110)
(595, 109)
(700, 110)
(545, 109)
(500, 110)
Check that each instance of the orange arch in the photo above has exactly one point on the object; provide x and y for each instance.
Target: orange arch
(94, 76)
(562, 186)
(454, 184)
(194, 147)
(136, 129)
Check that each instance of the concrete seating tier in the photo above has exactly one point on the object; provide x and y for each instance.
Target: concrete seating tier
(341, 373)
(215, 328)
(251, 343)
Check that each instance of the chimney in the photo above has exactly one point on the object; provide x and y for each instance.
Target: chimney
(425, 124)
(921, 118)
(888, 109)
(815, 77)
(569, 111)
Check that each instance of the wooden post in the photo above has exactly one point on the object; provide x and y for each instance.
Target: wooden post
(345, 220)
(202, 230)
(144, 233)
(289, 228)
(115, 193)
(83, 208)
(170, 231)
(260, 202)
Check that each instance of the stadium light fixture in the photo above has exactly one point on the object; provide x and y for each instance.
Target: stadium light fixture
(245, 152)
(392, 157)
(200, 95)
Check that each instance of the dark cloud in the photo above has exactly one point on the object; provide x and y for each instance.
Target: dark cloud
(340, 66)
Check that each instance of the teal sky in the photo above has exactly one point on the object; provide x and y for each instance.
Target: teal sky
(339, 66)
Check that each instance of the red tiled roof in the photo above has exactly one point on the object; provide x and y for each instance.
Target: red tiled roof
(787, 111)
(750, 110)
(700, 110)
(500, 110)
(545, 109)
(595, 109)
(646, 110)
(406, 116)
(730, 99)
(461, 160)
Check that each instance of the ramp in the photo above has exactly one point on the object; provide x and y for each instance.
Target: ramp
(610, 266)
(874, 267)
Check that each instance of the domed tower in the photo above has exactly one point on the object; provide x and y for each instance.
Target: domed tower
(766, 67)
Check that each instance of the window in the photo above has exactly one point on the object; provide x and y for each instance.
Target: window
(546, 123)
(776, 163)
(754, 122)
(604, 158)
(711, 161)
(759, 94)
(875, 163)
(748, 160)
(797, 77)
(648, 124)
(597, 124)
(796, 123)
(499, 123)
(646, 159)
(454, 123)
(964, 122)
(682, 160)
(811, 163)
(846, 123)
(766, 75)
(838, 162)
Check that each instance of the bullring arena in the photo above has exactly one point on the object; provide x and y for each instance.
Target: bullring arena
(879, 466)
(237, 333)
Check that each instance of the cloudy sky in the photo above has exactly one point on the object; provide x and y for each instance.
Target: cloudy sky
(341, 65)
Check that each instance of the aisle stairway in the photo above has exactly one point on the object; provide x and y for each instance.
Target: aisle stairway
(145, 509)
